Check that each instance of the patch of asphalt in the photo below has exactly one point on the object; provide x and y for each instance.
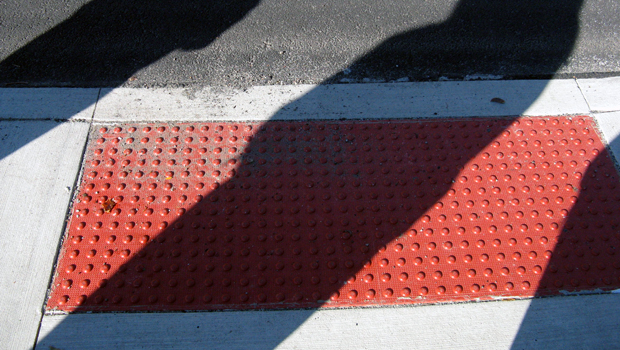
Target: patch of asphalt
(110, 43)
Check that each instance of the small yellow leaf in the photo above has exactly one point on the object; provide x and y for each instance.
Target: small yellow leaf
(108, 205)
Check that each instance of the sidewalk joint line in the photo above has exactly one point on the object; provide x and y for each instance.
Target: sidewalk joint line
(92, 117)
(74, 192)
(583, 95)
(607, 111)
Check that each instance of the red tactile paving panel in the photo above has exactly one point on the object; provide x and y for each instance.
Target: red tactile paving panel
(308, 214)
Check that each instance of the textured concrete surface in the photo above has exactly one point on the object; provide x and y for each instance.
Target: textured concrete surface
(48, 103)
(609, 124)
(359, 101)
(585, 322)
(603, 95)
(36, 181)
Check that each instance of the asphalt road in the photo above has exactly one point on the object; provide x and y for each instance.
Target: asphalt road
(256, 42)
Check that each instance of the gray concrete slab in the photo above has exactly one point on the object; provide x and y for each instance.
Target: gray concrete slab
(609, 125)
(357, 101)
(584, 322)
(47, 103)
(36, 180)
(29, 241)
(603, 95)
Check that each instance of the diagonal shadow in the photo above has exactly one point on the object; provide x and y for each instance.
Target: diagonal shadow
(547, 37)
(106, 42)
(584, 259)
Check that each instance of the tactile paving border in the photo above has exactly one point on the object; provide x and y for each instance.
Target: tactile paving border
(308, 214)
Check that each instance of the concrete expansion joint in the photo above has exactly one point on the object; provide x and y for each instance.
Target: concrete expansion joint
(605, 111)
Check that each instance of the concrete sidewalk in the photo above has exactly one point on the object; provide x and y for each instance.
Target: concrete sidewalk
(44, 133)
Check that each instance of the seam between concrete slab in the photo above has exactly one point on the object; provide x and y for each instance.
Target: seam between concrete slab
(599, 128)
(75, 186)
(585, 98)
(446, 119)
(592, 111)
(602, 93)
(607, 111)
(74, 193)
(606, 132)
(583, 95)
(92, 116)
(36, 174)
(499, 299)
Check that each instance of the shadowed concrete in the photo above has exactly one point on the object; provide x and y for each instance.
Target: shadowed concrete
(585, 322)
(36, 185)
(296, 42)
